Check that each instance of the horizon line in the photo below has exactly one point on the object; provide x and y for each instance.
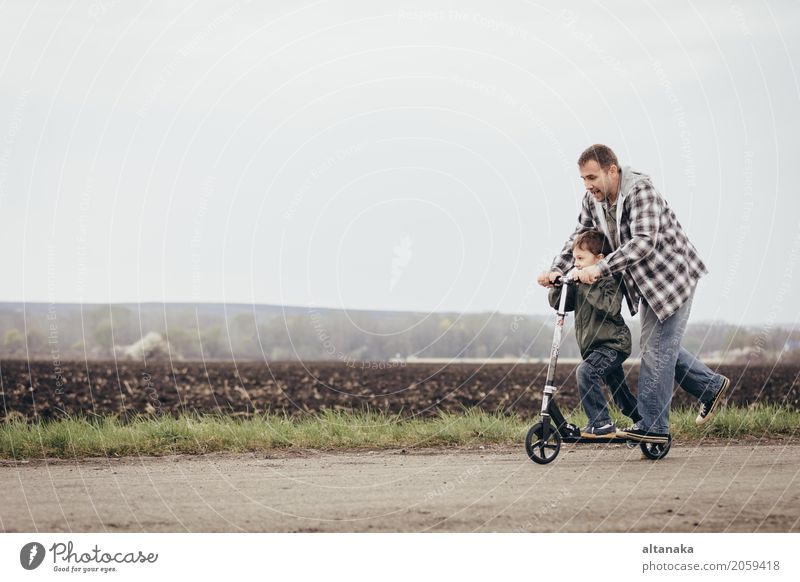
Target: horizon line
(362, 309)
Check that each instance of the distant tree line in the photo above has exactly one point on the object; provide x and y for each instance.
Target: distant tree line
(214, 332)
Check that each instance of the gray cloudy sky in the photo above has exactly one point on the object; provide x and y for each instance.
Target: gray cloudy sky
(361, 155)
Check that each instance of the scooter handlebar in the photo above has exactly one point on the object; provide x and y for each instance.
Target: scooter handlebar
(563, 280)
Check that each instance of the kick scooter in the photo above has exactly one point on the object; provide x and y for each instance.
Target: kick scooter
(543, 441)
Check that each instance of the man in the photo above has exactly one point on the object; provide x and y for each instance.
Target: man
(660, 269)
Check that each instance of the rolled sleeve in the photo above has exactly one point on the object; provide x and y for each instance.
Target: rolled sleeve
(605, 270)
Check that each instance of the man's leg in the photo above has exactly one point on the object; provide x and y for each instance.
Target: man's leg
(660, 346)
(698, 380)
(695, 377)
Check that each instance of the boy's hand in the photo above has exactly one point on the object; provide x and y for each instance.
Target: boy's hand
(546, 279)
(588, 275)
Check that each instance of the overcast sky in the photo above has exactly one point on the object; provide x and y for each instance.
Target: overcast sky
(359, 155)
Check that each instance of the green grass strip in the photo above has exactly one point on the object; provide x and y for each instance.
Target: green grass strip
(196, 434)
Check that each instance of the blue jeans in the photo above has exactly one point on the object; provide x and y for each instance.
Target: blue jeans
(663, 362)
(604, 364)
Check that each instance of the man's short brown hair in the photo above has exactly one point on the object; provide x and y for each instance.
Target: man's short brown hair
(601, 154)
(593, 241)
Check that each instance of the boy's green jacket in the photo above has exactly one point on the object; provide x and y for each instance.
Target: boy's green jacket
(598, 321)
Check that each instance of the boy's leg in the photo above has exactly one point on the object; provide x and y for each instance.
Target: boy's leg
(622, 395)
(590, 373)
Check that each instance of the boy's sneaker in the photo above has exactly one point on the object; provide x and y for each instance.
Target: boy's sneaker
(596, 432)
(708, 409)
(643, 436)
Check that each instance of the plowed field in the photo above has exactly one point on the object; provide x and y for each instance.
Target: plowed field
(44, 390)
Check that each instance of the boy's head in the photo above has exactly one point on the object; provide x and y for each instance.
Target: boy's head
(589, 247)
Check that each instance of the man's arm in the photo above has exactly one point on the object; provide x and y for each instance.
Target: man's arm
(563, 261)
(646, 207)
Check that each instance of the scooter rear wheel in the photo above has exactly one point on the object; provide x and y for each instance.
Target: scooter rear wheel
(656, 451)
(540, 451)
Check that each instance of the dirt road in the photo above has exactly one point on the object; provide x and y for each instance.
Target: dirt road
(722, 487)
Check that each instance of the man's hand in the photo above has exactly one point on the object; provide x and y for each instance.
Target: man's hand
(546, 279)
(588, 275)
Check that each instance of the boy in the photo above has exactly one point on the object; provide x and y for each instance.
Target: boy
(603, 338)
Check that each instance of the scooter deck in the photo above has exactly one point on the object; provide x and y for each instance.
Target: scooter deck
(570, 433)
(583, 440)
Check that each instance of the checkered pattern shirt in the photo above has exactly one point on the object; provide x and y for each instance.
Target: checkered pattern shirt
(655, 257)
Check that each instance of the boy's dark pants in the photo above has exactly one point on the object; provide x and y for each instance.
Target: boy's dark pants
(604, 364)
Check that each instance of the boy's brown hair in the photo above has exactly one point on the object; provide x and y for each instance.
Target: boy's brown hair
(593, 241)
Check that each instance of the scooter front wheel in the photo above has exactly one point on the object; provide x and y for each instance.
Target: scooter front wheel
(656, 451)
(539, 450)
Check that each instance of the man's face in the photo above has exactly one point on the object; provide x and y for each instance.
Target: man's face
(601, 183)
(584, 258)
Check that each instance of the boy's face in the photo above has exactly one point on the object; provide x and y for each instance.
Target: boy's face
(584, 258)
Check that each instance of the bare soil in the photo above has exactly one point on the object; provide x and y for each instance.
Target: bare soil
(40, 390)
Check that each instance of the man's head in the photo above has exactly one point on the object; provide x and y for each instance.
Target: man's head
(588, 248)
(599, 170)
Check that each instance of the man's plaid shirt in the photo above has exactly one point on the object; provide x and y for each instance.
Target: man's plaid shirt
(656, 259)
